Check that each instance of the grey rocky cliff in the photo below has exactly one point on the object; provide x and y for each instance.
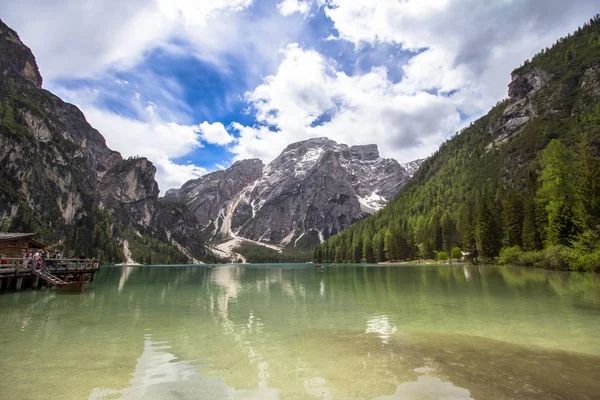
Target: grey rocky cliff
(534, 92)
(57, 175)
(314, 189)
(206, 195)
(520, 109)
(18, 67)
(130, 187)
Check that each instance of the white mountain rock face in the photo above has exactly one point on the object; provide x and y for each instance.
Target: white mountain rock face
(413, 166)
(314, 189)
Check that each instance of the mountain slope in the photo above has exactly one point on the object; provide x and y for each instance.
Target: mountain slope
(207, 194)
(59, 179)
(314, 189)
(483, 188)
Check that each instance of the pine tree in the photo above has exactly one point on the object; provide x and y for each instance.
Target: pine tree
(339, 254)
(530, 234)
(512, 220)
(556, 194)
(588, 184)
(389, 246)
(488, 231)
(466, 225)
(367, 252)
(379, 246)
(448, 233)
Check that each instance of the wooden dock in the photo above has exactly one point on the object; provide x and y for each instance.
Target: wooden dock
(70, 274)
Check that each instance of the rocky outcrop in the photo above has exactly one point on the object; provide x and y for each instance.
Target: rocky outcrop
(18, 68)
(178, 226)
(527, 83)
(520, 109)
(129, 187)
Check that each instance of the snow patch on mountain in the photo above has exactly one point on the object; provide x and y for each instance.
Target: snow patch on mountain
(372, 203)
(413, 166)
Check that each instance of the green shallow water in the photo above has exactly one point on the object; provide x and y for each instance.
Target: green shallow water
(294, 332)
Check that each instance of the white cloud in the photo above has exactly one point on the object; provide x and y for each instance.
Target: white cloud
(308, 98)
(73, 38)
(215, 133)
(467, 42)
(289, 7)
(157, 140)
(149, 136)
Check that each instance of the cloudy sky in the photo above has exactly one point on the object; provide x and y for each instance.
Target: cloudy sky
(195, 85)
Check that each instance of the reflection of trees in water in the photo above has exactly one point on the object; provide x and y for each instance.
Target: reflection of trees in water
(577, 286)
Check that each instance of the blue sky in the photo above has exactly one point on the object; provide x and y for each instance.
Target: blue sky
(195, 85)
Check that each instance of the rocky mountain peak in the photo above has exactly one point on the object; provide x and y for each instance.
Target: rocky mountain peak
(313, 189)
(17, 63)
(311, 143)
(368, 152)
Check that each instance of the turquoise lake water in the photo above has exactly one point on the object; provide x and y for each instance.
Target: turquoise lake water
(296, 332)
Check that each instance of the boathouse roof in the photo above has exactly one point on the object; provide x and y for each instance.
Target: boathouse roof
(7, 237)
(12, 236)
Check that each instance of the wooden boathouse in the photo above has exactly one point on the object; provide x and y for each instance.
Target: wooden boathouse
(20, 268)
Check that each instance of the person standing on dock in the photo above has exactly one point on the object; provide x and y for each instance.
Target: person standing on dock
(26, 258)
(37, 260)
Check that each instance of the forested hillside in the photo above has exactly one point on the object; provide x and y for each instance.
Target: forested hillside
(519, 185)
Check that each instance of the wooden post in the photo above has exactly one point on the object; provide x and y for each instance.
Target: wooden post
(36, 281)
(19, 283)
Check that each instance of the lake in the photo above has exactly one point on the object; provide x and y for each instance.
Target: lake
(296, 332)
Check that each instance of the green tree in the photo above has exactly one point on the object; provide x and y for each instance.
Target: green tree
(357, 248)
(488, 231)
(339, 254)
(367, 252)
(588, 184)
(456, 253)
(512, 219)
(379, 246)
(448, 232)
(389, 246)
(556, 194)
(466, 224)
(442, 256)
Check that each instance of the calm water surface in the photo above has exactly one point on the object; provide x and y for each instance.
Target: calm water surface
(294, 332)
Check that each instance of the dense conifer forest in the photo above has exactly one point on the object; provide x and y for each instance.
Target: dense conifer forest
(528, 197)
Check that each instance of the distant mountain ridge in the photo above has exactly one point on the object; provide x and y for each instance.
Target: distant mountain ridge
(314, 189)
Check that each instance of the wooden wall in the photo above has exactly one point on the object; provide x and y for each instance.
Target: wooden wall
(14, 248)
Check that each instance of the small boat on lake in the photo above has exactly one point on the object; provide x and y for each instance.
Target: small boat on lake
(76, 286)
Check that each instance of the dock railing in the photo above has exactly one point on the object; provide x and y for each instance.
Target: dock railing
(25, 266)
